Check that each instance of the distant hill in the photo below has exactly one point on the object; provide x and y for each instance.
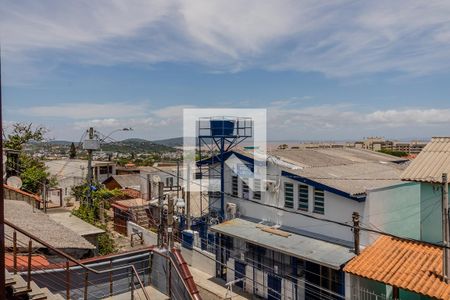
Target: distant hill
(172, 142)
(126, 146)
(136, 145)
(60, 142)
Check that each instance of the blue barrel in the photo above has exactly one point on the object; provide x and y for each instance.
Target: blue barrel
(222, 127)
(188, 239)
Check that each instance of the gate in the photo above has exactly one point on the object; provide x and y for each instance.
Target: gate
(274, 287)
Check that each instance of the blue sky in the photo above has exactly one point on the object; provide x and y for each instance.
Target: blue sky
(324, 70)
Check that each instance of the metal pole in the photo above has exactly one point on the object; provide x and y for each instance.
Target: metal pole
(188, 198)
(160, 207)
(86, 276)
(222, 180)
(355, 217)
(178, 179)
(67, 279)
(2, 201)
(445, 229)
(44, 197)
(170, 222)
(15, 251)
(30, 246)
(110, 279)
(89, 176)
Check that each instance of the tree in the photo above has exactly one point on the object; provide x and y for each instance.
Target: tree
(22, 133)
(72, 151)
(32, 171)
(34, 175)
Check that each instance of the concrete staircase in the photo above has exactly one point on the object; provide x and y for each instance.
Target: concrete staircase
(17, 289)
(141, 216)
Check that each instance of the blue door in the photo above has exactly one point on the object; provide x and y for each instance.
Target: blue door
(274, 287)
(239, 268)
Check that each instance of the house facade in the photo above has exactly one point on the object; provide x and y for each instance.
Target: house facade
(72, 172)
(307, 198)
(418, 215)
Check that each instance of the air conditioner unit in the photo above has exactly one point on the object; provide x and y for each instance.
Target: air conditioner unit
(271, 185)
(231, 210)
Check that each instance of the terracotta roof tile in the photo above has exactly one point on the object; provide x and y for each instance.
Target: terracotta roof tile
(408, 265)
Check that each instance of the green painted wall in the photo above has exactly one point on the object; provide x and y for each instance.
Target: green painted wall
(430, 217)
(395, 209)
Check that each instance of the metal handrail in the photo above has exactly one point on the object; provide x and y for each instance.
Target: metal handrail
(74, 260)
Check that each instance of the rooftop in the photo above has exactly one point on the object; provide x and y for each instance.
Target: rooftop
(411, 266)
(349, 170)
(40, 225)
(130, 203)
(311, 249)
(127, 180)
(67, 219)
(431, 162)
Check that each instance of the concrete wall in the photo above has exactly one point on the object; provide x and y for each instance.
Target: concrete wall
(150, 238)
(199, 259)
(394, 209)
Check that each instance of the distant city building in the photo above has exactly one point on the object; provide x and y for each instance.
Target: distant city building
(379, 144)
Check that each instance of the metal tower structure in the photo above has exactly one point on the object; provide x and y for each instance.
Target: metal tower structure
(216, 136)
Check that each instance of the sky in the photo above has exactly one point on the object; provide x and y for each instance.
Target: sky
(324, 70)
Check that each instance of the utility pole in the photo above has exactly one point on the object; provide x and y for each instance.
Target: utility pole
(355, 218)
(44, 197)
(170, 222)
(90, 150)
(445, 228)
(188, 198)
(160, 207)
(178, 179)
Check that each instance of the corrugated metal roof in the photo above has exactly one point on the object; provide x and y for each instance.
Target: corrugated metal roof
(352, 171)
(431, 162)
(411, 266)
(314, 250)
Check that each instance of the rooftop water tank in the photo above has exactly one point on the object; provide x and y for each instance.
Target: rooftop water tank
(222, 127)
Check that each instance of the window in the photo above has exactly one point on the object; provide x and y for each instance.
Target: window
(257, 189)
(245, 193)
(319, 201)
(169, 181)
(234, 186)
(288, 195)
(303, 196)
(103, 170)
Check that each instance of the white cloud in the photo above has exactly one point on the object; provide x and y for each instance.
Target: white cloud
(286, 120)
(337, 38)
(86, 110)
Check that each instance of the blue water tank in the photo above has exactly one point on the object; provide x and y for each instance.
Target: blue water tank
(222, 127)
(188, 239)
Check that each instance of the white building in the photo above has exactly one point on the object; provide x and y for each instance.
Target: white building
(275, 232)
(72, 172)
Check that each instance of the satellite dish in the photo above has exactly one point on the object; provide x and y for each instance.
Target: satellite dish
(14, 181)
(156, 178)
